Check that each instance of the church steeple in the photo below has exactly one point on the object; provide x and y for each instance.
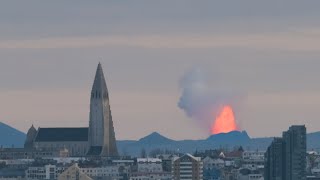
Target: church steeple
(99, 84)
(101, 131)
(31, 134)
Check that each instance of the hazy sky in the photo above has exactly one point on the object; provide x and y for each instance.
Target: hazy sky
(268, 51)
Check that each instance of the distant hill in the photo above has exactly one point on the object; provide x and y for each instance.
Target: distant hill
(11, 137)
(155, 138)
(313, 141)
(233, 137)
(157, 141)
(226, 140)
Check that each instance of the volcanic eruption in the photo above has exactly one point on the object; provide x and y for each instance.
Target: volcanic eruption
(225, 121)
(209, 104)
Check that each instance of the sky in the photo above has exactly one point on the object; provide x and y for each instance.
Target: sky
(267, 51)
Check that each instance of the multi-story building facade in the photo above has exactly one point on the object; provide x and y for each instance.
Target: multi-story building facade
(106, 172)
(295, 153)
(44, 172)
(286, 156)
(187, 167)
(212, 168)
(253, 160)
(149, 165)
(53, 172)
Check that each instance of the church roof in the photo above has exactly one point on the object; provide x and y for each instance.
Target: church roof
(31, 132)
(99, 87)
(61, 134)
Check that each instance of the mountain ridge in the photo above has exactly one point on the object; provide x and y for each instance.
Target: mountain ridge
(16, 139)
(12, 137)
(222, 140)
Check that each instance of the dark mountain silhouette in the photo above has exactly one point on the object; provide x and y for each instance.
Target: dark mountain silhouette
(233, 137)
(155, 138)
(157, 141)
(223, 140)
(313, 141)
(10, 137)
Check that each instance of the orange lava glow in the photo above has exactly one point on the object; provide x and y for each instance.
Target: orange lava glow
(225, 121)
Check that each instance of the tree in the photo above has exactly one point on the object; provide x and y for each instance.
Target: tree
(143, 153)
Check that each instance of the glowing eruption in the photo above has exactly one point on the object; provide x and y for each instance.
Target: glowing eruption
(225, 121)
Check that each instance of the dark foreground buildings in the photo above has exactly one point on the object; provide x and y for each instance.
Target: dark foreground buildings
(286, 156)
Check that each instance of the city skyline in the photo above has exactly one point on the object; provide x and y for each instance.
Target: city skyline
(150, 90)
(265, 55)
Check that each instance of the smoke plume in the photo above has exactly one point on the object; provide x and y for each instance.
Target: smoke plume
(203, 98)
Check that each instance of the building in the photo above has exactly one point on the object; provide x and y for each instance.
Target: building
(75, 140)
(150, 176)
(12, 174)
(187, 167)
(313, 164)
(149, 165)
(253, 160)
(96, 140)
(209, 163)
(253, 155)
(274, 163)
(105, 172)
(212, 168)
(73, 172)
(31, 135)
(285, 158)
(295, 153)
(123, 162)
(247, 174)
(22, 153)
(102, 139)
(44, 172)
(166, 161)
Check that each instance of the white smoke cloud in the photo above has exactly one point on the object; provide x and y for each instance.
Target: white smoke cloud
(202, 97)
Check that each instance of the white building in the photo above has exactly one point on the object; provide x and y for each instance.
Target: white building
(210, 163)
(112, 172)
(149, 165)
(44, 172)
(259, 155)
(123, 162)
(253, 159)
(230, 163)
(53, 172)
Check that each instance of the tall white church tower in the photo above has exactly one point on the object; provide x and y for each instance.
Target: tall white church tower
(102, 139)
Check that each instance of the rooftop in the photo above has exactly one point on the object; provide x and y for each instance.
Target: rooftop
(62, 134)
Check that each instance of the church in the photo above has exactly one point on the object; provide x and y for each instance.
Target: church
(96, 140)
